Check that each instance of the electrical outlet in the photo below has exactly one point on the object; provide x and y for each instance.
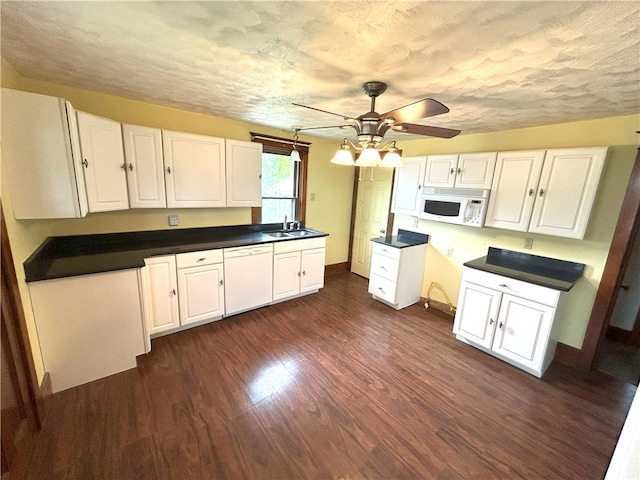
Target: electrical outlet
(174, 220)
(528, 243)
(415, 223)
(312, 197)
(450, 252)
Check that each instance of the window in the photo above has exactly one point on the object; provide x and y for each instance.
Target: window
(283, 180)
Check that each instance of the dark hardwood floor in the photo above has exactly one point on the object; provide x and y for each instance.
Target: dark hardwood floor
(332, 385)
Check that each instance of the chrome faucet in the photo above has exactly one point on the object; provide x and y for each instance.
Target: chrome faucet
(284, 224)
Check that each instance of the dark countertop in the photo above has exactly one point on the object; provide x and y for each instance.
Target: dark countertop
(544, 271)
(69, 256)
(404, 238)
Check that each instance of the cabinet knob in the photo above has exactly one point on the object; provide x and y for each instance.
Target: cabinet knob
(530, 191)
(85, 163)
(381, 289)
(123, 166)
(168, 169)
(131, 167)
(298, 273)
(304, 273)
(221, 282)
(500, 325)
(173, 291)
(201, 259)
(382, 230)
(419, 187)
(504, 285)
(491, 321)
(541, 191)
(453, 170)
(260, 176)
(459, 171)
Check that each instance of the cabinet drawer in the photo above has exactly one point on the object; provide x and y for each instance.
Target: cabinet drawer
(386, 250)
(518, 288)
(202, 257)
(384, 266)
(297, 245)
(382, 288)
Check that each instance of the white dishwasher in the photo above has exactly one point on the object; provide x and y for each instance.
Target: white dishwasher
(248, 277)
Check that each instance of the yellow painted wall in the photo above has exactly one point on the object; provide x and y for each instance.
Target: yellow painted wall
(469, 243)
(329, 212)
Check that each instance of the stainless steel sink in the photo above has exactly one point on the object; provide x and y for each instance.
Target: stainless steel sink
(278, 234)
(299, 233)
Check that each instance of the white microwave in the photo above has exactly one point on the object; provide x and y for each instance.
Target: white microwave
(462, 206)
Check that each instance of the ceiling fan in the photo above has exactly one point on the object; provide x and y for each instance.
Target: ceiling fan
(371, 127)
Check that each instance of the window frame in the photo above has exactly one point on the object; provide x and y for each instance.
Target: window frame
(284, 146)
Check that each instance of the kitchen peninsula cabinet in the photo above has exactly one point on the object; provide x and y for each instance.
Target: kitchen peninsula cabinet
(549, 192)
(145, 166)
(298, 267)
(41, 153)
(103, 162)
(194, 170)
(89, 326)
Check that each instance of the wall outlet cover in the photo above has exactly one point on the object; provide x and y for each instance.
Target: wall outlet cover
(174, 220)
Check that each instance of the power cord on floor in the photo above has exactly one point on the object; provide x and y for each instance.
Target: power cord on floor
(441, 288)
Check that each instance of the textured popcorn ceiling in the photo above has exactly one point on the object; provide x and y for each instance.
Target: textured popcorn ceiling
(496, 65)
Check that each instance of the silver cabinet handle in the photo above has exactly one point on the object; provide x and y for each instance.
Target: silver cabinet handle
(541, 191)
(201, 259)
(382, 267)
(419, 187)
(453, 170)
(500, 325)
(168, 169)
(459, 171)
(131, 167)
(381, 289)
(85, 163)
(491, 321)
(503, 285)
(530, 191)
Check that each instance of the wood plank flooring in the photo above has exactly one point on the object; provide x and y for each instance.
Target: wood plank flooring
(332, 385)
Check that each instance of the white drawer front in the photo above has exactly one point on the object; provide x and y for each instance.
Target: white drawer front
(297, 245)
(195, 259)
(529, 291)
(385, 250)
(382, 288)
(384, 266)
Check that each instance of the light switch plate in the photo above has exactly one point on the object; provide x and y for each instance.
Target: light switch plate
(174, 220)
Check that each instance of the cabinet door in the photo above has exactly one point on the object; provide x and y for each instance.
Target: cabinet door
(475, 170)
(160, 289)
(103, 159)
(194, 170)
(523, 331)
(145, 168)
(312, 266)
(513, 190)
(286, 275)
(567, 188)
(244, 173)
(407, 186)
(38, 137)
(477, 313)
(441, 170)
(201, 293)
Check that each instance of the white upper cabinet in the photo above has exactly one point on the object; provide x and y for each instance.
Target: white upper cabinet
(466, 170)
(194, 170)
(407, 186)
(145, 168)
(548, 192)
(41, 153)
(566, 191)
(513, 190)
(103, 160)
(244, 173)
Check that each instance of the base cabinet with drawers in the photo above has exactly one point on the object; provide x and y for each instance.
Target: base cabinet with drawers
(507, 318)
(395, 277)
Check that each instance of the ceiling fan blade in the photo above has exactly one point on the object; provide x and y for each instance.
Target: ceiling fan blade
(416, 129)
(328, 126)
(427, 107)
(323, 111)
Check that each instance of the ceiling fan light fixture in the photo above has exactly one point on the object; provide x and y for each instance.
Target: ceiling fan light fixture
(295, 154)
(392, 158)
(369, 157)
(343, 156)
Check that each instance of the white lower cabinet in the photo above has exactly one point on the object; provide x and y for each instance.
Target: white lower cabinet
(298, 267)
(89, 326)
(183, 289)
(507, 318)
(396, 274)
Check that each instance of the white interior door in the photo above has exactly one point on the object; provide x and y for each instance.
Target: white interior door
(372, 211)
